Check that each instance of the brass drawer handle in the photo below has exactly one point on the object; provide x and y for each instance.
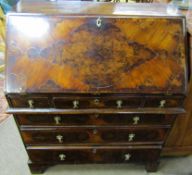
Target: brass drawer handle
(162, 103)
(95, 131)
(31, 103)
(94, 150)
(57, 120)
(131, 137)
(75, 104)
(127, 156)
(96, 101)
(59, 138)
(119, 103)
(62, 157)
(136, 120)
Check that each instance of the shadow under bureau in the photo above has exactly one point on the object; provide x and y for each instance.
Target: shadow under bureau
(89, 83)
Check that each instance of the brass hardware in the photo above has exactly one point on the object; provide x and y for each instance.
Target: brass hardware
(94, 151)
(119, 103)
(57, 120)
(59, 138)
(162, 103)
(136, 120)
(75, 104)
(31, 103)
(62, 156)
(131, 137)
(127, 156)
(98, 22)
(96, 101)
(95, 131)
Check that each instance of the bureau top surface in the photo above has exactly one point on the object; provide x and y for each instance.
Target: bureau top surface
(94, 53)
(92, 8)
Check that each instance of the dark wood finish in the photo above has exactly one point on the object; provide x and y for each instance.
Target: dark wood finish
(96, 111)
(95, 82)
(94, 119)
(93, 154)
(111, 102)
(152, 166)
(37, 168)
(94, 101)
(94, 135)
(23, 102)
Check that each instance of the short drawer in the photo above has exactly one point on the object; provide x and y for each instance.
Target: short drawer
(94, 155)
(95, 119)
(110, 135)
(116, 102)
(30, 102)
(163, 102)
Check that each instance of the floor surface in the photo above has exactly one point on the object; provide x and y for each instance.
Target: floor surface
(13, 160)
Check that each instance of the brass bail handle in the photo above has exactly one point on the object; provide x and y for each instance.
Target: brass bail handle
(31, 103)
(57, 120)
(75, 104)
(62, 157)
(59, 138)
(162, 103)
(119, 104)
(127, 156)
(136, 120)
(131, 137)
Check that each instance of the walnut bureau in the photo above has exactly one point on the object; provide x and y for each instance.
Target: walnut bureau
(95, 82)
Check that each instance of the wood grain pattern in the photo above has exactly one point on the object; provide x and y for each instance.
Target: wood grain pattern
(94, 155)
(93, 119)
(94, 135)
(81, 57)
(179, 141)
(95, 66)
(100, 101)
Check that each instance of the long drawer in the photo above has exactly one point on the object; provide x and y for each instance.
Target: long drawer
(94, 119)
(93, 154)
(95, 135)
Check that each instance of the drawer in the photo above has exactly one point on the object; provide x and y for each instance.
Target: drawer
(30, 102)
(163, 102)
(110, 135)
(76, 102)
(95, 119)
(94, 155)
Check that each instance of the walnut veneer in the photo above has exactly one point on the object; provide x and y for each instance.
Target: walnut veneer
(95, 82)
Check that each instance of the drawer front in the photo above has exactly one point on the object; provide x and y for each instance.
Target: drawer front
(94, 155)
(97, 102)
(95, 119)
(94, 136)
(163, 102)
(30, 102)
